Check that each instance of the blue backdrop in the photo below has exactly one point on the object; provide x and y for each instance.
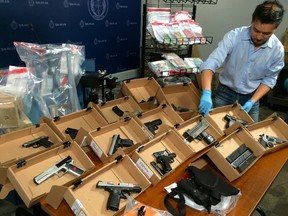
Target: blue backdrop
(109, 29)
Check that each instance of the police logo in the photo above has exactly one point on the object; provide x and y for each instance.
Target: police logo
(51, 24)
(98, 9)
(14, 25)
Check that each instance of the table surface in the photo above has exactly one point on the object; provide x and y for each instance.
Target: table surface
(253, 185)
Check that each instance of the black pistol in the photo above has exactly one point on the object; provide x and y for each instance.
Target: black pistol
(153, 125)
(230, 120)
(164, 158)
(40, 141)
(116, 192)
(117, 142)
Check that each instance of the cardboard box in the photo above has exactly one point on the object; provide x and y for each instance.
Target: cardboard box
(198, 143)
(127, 105)
(101, 140)
(88, 119)
(182, 98)
(87, 199)
(227, 146)
(234, 110)
(21, 175)
(169, 141)
(143, 90)
(274, 127)
(166, 117)
(12, 150)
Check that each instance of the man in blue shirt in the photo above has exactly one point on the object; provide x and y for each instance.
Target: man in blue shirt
(251, 56)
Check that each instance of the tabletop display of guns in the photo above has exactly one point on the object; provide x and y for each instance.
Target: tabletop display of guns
(153, 125)
(117, 142)
(65, 165)
(40, 141)
(270, 141)
(230, 120)
(164, 158)
(116, 192)
(199, 132)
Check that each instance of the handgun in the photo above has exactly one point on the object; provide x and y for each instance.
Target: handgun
(164, 158)
(116, 192)
(117, 142)
(40, 141)
(270, 141)
(199, 132)
(230, 120)
(153, 125)
(72, 132)
(65, 165)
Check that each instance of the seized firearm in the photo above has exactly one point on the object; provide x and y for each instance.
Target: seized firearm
(72, 132)
(180, 109)
(153, 125)
(40, 141)
(199, 132)
(116, 192)
(270, 141)
(65, 165)
(230, 120)
(117, 142)
(165, 159)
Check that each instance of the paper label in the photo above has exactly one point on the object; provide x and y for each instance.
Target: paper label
(96, 148)
(144, 168)
(78, 208)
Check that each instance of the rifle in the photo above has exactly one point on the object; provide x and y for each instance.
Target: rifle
(65, 165)
(230, 120)
(116, 192)
(40, 141)
(199, 132)
(165, 159)
(117, 142)
(270, 141)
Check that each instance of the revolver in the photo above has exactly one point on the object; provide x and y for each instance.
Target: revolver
(270, 141)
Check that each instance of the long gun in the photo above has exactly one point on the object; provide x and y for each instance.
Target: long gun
(165, 159)
(270, 141)
(116, 192)
(117, 142)
(40, 141)
(199, 132)
(65, 165)
(230, 120)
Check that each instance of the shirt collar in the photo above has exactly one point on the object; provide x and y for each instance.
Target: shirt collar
(246, 37)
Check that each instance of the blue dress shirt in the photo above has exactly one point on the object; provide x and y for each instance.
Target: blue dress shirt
(244, 66)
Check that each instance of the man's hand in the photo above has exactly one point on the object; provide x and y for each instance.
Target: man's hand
(205, 103)
(247, 106)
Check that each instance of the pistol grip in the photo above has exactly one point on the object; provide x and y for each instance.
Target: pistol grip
(113, 200)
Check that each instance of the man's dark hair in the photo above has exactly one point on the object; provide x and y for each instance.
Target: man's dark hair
(269, 12)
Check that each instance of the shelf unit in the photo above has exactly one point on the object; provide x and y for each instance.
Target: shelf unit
(153, 49)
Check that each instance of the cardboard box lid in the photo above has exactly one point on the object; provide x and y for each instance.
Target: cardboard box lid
(21, 175)
(83, 197)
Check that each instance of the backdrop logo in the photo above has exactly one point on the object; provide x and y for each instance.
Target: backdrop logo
(31, 3)
(14, 25)
(98, 9)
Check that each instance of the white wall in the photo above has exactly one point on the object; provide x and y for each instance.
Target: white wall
(218, 19)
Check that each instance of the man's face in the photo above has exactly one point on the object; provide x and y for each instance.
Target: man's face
(260, 32)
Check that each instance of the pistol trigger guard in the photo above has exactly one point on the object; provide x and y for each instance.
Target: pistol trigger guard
(123, 196)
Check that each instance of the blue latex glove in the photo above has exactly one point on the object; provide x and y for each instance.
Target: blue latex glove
(247, 106)
(205, 103)
(286, 84)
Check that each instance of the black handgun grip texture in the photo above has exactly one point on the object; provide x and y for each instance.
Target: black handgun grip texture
(113, 200)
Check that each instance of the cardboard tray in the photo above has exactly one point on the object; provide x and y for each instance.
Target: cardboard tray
(88, 119)
(100, 140)
(229, 144)
(169, 141)
(126, 104)
(86, 199)
(21, 175)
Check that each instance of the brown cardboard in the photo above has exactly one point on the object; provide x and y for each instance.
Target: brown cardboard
(100, 140)
(21, 175)
(182, 97)
(126, 104)
(165, 113)
(12, 150)
(274, 126)
(89, 119)
(197, 145)
(169, 141)
(217, 115)
(88, 199)
(143, 90)
(226, 146)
